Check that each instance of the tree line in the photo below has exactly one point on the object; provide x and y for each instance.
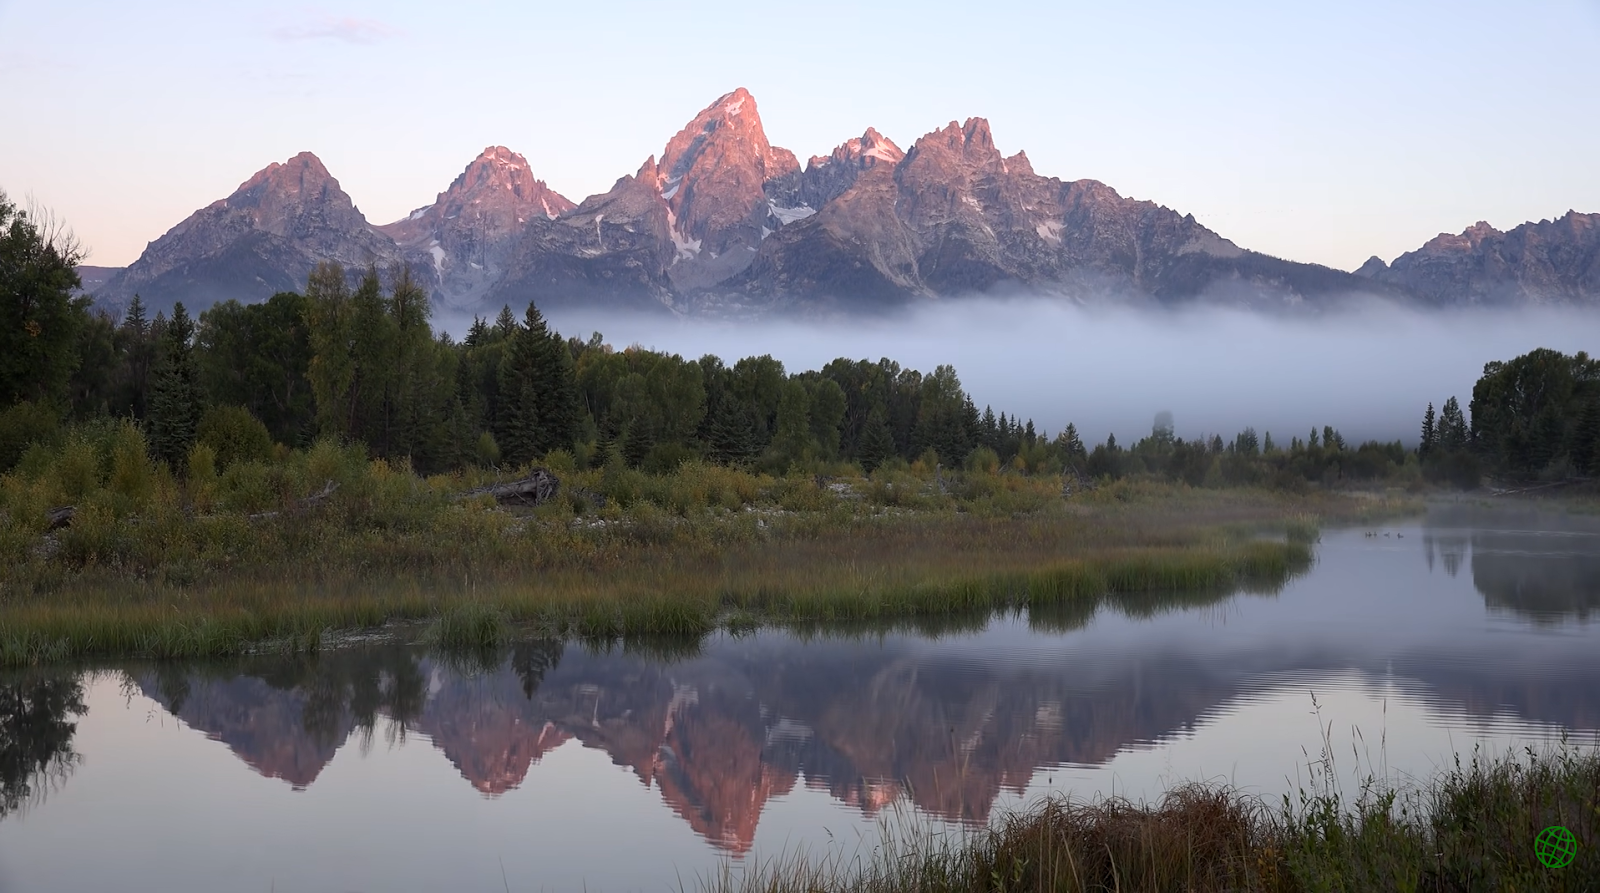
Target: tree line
(356, 358)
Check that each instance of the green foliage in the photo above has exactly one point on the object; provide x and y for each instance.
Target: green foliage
(40, 320)
(234, 435)
(538, 408)
(22, 425)
(258, 356)
(876, 441)
(1528, 413)
(175, 402)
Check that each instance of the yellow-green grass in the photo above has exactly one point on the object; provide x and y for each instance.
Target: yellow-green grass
(156, 567)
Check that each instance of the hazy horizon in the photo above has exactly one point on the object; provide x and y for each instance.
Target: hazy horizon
(1368, 370)
(1322, 135)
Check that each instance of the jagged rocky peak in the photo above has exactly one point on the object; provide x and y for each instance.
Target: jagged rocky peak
(264, 237)
(970, 143)
(713, 172)
(827, 177)
(1469, 239)
(278, 194)
(464, 237)
(1373, 267)
(499, 183)
(864, 151)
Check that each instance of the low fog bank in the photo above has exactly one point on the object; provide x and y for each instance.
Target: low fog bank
(1368, 370)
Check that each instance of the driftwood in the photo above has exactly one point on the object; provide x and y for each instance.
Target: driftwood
(538, 488)
(310, 502)
(1517, 491)
(61, 517)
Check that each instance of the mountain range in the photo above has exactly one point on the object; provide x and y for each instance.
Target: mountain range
(723, 223)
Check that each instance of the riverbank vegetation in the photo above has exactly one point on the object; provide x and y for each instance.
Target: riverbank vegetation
(1472, 827)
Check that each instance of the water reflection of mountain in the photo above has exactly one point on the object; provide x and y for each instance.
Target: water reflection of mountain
(720, 732)
(1539, 565)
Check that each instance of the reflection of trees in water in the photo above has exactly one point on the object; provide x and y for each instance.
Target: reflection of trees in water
(1541, 565)
(1451, 549)
(37, 713)
(1542, 577)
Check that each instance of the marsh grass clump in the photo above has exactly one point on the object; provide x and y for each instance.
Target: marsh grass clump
(1468, 829)
(1303, 529)
(468, 626)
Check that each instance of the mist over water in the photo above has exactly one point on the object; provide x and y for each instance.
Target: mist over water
(1368, 370)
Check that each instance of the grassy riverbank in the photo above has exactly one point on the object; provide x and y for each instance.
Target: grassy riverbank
(158, 567)
(1471, 828)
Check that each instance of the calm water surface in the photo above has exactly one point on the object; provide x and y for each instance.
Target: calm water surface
(560, 766)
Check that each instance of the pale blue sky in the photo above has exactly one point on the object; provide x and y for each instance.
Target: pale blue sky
(1324, 132)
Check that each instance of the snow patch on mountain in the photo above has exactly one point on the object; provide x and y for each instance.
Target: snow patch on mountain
(787, 216)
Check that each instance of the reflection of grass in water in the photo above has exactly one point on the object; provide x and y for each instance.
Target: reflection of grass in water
(1469, 828)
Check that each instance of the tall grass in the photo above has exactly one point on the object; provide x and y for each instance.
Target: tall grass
(225, 562)
(1471, 828)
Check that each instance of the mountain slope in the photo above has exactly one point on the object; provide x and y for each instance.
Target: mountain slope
(465, 237)
(262, 239)
(1549, 262)
(956, 217)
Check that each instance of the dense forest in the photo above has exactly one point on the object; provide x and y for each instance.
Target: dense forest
(355, 358)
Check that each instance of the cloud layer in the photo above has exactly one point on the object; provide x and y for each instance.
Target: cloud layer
(349, 30)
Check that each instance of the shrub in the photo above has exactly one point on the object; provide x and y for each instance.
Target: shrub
(234, 435)
(664, 458)
(21, 426)
(983, 460)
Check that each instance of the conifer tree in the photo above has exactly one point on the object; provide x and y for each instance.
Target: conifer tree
(538, 407)
(175, 393)
(1430, 434)
(637, 443)
(877, 441)
(1452, 427)
(1267, 446)
(1071, 446)
(1586, 439)
(731, 432)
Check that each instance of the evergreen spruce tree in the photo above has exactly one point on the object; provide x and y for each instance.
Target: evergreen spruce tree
(537, 409)
(175, 393)
(637, 443)
(1585, 448)
(732, 432)
(990, 430)
(1430, 434)
(1452, 427)
(505, 325)
(605, 445)
(1071, 446)
(478, 334)
(1267, 446)
(877, 441)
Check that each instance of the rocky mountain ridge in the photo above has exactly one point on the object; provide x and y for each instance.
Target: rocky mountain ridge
(1548, 262)
(727, 224)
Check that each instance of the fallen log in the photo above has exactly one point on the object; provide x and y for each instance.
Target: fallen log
(302, 505)
(537, 488)
(60, 517)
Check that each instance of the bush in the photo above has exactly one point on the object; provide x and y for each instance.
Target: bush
(487, 452)
(234, 435)
(21, 426)
(664, 458)
(983, 460)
